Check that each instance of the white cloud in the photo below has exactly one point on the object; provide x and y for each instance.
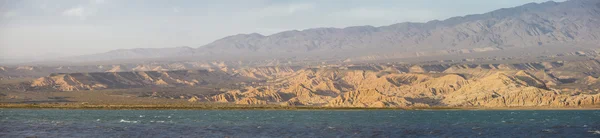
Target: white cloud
(292, 8)
(80, 12)
(176, 10)
(83, 11)
(278, 10)
(9, 14)
(98, 1)
(364, 13)
(77, 11)
(50, 8)
(399, 15)
(43, 6)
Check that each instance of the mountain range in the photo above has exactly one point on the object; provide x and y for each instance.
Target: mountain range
(565, 24)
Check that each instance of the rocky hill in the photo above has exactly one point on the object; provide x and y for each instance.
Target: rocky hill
(553, 84)
(103, 80)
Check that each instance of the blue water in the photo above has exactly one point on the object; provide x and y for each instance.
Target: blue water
(297, 123)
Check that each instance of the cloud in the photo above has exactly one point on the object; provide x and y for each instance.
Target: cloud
(98, 1)
(75, 12)
(50, 8)
(80, 12)
(9, 14)
(279, 10)
(44, 6)
(364, 13)
(414, 15)
(176, 10)
(292, 8)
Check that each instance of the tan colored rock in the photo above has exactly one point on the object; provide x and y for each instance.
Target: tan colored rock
(193, 99)
(367, 98)
(481, 85)
(251, 100)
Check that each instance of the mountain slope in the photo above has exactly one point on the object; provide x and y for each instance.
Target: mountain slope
(527, 25)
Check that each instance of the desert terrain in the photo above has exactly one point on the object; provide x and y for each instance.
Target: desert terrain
(538, 55)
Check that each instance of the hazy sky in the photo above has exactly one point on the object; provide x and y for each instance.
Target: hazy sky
(42, 28)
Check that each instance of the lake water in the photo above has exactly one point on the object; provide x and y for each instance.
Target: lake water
(298, 123)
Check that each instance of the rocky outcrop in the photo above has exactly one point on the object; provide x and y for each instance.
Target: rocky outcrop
(493, 91)
(267, 72)
(368, 88)
(102, 80)
(458, 85)
(367, 98)
(225, 66)
(65, 82)
(521, 89)
(193, 99)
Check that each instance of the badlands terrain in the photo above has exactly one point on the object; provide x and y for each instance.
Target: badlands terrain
(571, 83)
(532, 56)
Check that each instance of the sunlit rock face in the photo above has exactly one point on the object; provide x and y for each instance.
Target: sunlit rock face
(457, 85)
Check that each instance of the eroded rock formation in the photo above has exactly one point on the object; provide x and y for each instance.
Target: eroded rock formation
(458, 85)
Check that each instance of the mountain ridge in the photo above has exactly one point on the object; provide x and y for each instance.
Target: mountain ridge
(573, 22)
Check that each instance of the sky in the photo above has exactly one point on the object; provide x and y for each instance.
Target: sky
(37, 29)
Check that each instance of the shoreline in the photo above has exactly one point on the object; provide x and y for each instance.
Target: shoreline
(266, 107)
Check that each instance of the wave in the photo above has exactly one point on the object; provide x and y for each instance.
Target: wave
(127, 121)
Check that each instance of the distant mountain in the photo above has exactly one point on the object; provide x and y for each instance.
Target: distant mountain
(138, 53)
(574, 22)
